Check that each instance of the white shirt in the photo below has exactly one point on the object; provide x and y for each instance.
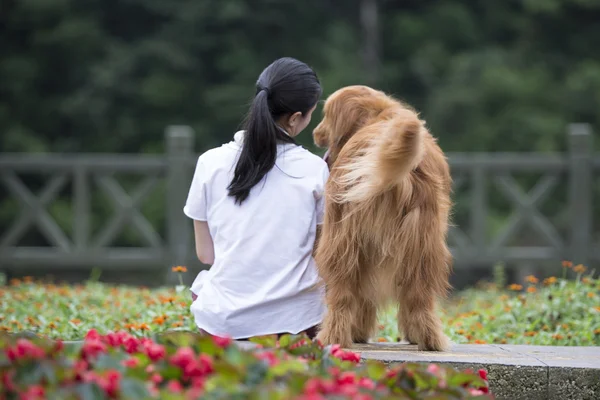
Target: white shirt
(263, 277)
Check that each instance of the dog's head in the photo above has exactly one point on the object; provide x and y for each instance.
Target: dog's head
(345, 112)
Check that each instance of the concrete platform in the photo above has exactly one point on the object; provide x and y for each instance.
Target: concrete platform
(514, 372)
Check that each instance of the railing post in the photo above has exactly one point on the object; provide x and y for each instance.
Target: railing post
(180, 148)
(580, 191)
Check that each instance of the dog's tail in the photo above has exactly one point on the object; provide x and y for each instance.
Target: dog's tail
(396, 149)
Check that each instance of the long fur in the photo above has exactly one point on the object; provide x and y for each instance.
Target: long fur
(386, 219)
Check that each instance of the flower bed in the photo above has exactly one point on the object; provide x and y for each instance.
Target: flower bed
(554, 311)
(182, 365)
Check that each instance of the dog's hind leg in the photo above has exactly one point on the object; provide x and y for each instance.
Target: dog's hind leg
(422, 280)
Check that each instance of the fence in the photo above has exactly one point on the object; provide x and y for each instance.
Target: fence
(471, 241)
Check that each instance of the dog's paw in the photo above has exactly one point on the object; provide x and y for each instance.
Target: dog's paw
(438, 342)
(328, 339)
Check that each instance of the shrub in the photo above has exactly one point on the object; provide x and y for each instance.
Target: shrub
(178, 365)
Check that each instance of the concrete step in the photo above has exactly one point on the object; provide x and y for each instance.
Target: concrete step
(514, 372)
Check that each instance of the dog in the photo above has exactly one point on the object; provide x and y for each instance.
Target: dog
(383, 240)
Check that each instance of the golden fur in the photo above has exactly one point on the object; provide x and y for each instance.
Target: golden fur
(386, 219)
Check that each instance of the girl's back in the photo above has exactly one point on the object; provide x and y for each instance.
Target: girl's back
(256, 203)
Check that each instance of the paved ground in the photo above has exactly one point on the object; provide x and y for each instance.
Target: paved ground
(515, 372)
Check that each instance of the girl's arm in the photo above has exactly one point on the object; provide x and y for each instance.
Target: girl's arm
(204, 245)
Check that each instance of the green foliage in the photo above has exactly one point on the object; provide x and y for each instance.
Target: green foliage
(552, 312)
(185, 365)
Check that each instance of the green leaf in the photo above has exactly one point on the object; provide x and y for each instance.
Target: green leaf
(375, 369)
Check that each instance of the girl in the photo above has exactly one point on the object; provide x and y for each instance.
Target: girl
(256, 203)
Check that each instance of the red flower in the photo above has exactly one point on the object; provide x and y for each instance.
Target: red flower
(433, 369)
(222, 342)
(183, 357)
(155, 351)
(174, 386)
(115, 339)
(92, 335)
(268, 356)
(346, 378)
(92, 348)
(110, 383)
(24, 349)
(198, 368)
(156, 378)
(366, 383)
(131, 344)
(483, 374)
(131, 362)
(337, 352)
(7, 380)
(35, 392)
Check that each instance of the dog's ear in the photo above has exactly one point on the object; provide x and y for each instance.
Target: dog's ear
(348, 115)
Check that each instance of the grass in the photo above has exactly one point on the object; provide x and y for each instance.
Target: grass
(555, 311)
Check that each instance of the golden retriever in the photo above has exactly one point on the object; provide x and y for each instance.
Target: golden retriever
(383, 240)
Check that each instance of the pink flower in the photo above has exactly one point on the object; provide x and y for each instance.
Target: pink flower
(155, 351)
(433, 369)
(92, 348)
(156, 378)
(269, 357)
(115, 339)
(183, 357)
(24, 349)
(7, 380)
(131, 344)
(174, 386)
(346, 378)
(222, 342)
(110, 383)
(35, 392)
(198, 368)
(476, 392)
(366, 383)
(337, 352)
(92, 335)
(131, 362)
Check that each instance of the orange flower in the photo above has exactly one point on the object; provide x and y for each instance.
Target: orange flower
(52, 325)
(143, 327)
(586, 280)
(549, 281)
(515, 286)
(183, 304)
(558, 336)
(177, 324)
(597, 331)
(179, 268)
(381, 327)
(597, 308)
(492, 318)
(160, 320)
(461, 331)
(567, 264)
(531, 279)
(510, 335)
(530, 334)
(503, 297)
(166, 299)
(545, 328)
(469, 337)
(531, 289)
(76, 321)
(507, 309)
(27, 279)
(478, 341)
(503, 341)
(580, 269)
(15, 281)
(591, 295)
(565, 326)
(381, 340)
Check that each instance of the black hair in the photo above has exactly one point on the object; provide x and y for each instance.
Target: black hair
(284, 87)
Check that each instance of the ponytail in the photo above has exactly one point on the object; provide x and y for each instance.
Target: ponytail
(259, 148)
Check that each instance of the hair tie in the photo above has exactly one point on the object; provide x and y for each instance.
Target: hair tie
(266, 89)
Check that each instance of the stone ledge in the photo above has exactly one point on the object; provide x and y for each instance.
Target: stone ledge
(515, 372)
